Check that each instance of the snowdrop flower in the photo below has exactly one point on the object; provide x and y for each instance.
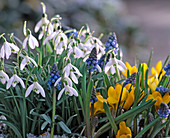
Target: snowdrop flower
(3, 77)
(35, 87)
(44, 24)
(26, 60)
(68, 90)
(7, 48)
(110, 66)
(14, 80)
(68, 71)
(32, 41)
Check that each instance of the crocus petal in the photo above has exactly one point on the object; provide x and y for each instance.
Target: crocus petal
(23, 64)
(74, 78)
(28, 91)
(20, 80)
(9, 82)
(33, 61)
(41, 89)
(60, 94)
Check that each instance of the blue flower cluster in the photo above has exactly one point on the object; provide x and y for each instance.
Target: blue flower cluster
(93, 96)
(54, 76)
(167, 69)
(92, 60)
(73, 33)
(101, 60)
(163, 110)
(162, 89)
(112, 43)
(131, 79)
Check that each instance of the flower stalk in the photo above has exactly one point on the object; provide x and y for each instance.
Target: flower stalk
(53, 112)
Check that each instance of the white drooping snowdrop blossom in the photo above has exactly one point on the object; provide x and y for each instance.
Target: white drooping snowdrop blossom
(8, 48)
(36, 87)
(113, 62)
(31, 40)
(68, 89)
(70, 71)
(74, 49)
(3, 77)
(26, 60)
(59, 40)
(14, 80)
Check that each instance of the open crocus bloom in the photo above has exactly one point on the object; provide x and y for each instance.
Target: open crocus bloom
(7, 48)
(3, 77)
(114, 95)
(26, 60)
(124, 131)
(35, 87)
(98, 106)
(14, 80)
(159, 99)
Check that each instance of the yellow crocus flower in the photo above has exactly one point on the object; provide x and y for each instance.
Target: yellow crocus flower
(159, 99)
(156, 71)
(124, 131)
(98, 106)
(114, 95)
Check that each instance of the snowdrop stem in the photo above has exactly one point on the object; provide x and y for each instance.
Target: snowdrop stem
(117, 73)
(18, 60)
(53, 112)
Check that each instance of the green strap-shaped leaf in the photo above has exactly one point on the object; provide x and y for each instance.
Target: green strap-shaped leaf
(64, 127)
(107, 81)
(109, 115)
(13, 127)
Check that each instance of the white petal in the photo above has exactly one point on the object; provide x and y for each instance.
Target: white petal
(121, 63)
(37, 26)
(73, 90)
(23, 64)
(99, 68)
(67, 70)
(55, 84)
(34, 40)
(60, 94)
(74, 78)
(9, 82)
(120, 68)
(40, 89)
(7, 50)
(112, 70)
(32, 60)
(40, 35)
(14, 47)
(25, 42)
(20, 80)
(2, 52)
(28, 91)
(77, 71)
(3, 74)
(68, 81)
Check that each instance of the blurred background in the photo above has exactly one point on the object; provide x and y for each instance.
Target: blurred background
(139, 25)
